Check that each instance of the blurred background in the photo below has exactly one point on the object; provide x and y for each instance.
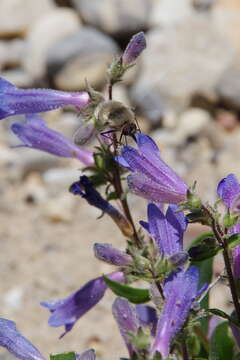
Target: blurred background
(186, 92)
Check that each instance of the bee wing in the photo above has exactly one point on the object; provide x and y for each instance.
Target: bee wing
(84, 134)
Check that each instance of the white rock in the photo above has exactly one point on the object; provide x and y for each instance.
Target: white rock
(13, 298)
(16, 16)
(170, 12)
(50, 28)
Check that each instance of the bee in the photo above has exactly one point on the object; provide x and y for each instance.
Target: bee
(110, 117)
(117, 117)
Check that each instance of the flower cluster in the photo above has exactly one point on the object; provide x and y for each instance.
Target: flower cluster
(174, 324)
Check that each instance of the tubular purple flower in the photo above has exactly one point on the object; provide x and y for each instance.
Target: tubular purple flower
(134, 48)
(180, 290)
(229, 190)
(126, 317)
(166, 229)
(236, 252)
(35, 134)
(20, 101)
(67, 311)
(235, 329)
(107, 253)
(86, 190)
(15, 343)
(152, 178)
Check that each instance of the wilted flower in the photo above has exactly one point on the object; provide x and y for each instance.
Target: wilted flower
(67, 311)
(15, 343)
(111, 255)
(87, 355)
(152, 178)
(229, 190)
(180, 291)
(20, 101)
(35, 134)
(85, 189)
(134, 48)
(166, 229)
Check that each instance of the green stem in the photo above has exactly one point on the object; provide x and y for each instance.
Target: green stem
(185, 353)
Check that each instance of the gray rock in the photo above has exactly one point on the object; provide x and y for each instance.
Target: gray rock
(180, 62)
(12, 52)
(18, 77)
(170, 12)
(16, 16)
(85, 54)
(50, 28)
(115, 17)
(228, 86)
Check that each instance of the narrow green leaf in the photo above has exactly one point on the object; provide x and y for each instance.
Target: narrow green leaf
(199, 239)
(233, 241)
(221, 343)
(64, 356)
(134, 295)
(223, 315)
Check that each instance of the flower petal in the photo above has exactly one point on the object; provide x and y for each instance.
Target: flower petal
(15, 343)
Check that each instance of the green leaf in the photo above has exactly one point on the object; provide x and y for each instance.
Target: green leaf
(233, 241)
(199, 239)
(134, 295)
(221, 343)
(64, 356)
(223, 315)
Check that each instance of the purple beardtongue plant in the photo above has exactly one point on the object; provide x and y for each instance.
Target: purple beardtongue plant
(163, 317)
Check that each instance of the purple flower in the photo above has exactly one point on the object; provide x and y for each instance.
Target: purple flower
(19, 101)
(152, 178)
(111, 255)
(180, 290)
(229, 190)
(126, 317)
(86, 190)
(134, 48)
(130, 318)
(67, 311)
(87, 355)
(15, 343)
(35, 134)
(166, 229)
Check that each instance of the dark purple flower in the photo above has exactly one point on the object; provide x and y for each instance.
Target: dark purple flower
(67, 311)
(86, 190)
(166, 229)
(147, 316)
(111, 255)
(134, 48)
(180, 290)
(35, 134)
(15, 343)
(19, 101)
(152, 178)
